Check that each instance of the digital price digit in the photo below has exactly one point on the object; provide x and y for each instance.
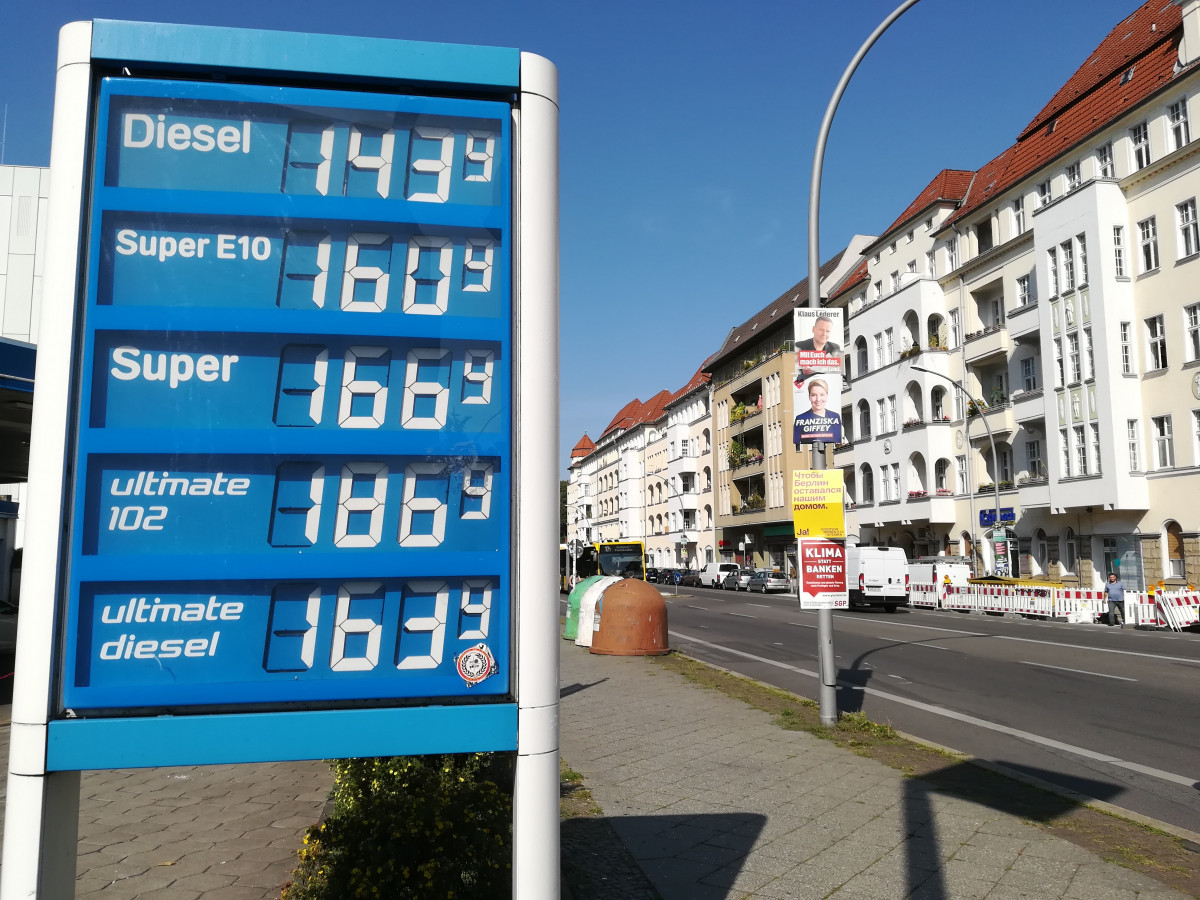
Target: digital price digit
(428, 263)
(416, 613)
(362, 502)
(366, 155)
(362, 399)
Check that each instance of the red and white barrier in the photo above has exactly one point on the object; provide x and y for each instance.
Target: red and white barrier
(1079, 605)
(927, 596)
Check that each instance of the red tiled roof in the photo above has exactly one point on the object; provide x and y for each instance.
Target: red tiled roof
(949, 185)
(583, 447)
(701, 377)
(654, 408)
(1093, 97)
(771, 314)
(625, 417)
(1131, 38)
(853, 280)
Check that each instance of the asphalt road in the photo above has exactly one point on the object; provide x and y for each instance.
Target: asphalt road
(1107, 712)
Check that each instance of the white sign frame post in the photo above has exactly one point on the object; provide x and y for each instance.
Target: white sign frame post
(39, 852)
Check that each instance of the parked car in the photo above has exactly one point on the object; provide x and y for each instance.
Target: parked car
(714, 574)
(651, 574)
(737, 581)
(691, 579)
(666, 576)
(765, 582)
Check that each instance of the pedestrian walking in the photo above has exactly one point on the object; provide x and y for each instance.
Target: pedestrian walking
(1116, 599)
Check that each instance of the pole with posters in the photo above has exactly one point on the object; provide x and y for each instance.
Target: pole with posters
(816, 403)
(819, 517)
(291, 467)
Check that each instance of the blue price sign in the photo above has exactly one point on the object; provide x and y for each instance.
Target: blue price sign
(292, 478)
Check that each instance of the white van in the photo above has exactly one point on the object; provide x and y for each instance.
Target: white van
(877, 576)
(714, 573)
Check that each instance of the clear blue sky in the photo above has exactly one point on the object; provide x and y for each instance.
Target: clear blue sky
(687, 131)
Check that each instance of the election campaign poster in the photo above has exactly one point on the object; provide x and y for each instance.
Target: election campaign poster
(817, 381)
(823, 574)
(817, 503)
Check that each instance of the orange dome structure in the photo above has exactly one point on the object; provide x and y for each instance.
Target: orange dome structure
(632, 620)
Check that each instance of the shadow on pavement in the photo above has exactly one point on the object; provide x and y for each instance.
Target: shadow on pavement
(575, 688)
(658, 857)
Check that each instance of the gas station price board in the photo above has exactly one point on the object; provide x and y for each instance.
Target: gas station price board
(291, 479)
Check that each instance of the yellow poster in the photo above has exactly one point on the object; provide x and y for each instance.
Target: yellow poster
(817, 509)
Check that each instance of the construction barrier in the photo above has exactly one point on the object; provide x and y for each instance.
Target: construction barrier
(1160, 609)
(956, 597)
(927, 596)
(1079, 605)
(1032, 600)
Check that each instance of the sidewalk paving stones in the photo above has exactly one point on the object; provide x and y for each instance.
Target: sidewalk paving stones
(713, 800)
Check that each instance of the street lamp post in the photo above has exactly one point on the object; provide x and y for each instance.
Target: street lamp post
(978, 405)
(828, 692)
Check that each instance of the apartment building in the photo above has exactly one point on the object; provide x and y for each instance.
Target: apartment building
(752, 375)
(1022, 344)
(1032, 329)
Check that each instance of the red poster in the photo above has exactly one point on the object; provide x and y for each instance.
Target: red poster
(823, 574)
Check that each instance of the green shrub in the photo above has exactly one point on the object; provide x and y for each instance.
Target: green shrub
(411, 827)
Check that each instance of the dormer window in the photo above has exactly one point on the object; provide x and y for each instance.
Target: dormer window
(1128, 76)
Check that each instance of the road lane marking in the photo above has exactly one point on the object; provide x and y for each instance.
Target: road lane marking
(802, 625)
(761, 605)
(963, 717)
(1182, 659)
(703, 608)
(741, 615)
(896, 643)
(928, 627)
(1076, 671)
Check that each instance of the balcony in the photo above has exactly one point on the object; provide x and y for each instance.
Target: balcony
(1000, 420)
(1024, 321)
(989, 343)
(1028, 406)
(687, 536)
(687, 500)
(937, 510)
(1035, 492)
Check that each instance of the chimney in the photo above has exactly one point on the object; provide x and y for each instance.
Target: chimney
(1189, 46)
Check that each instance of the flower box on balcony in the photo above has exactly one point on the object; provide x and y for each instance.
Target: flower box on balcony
(913, 423)
(916, 495)
(945, 492)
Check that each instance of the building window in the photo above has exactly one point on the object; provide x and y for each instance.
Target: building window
(1083, 267)
(1070, 552)
(1148, 235)
(1139, 137)
(864, 420)
(889, 346)
(1068, 267)
(1029, 373)
(1164, 444)
(1176, 567)
(954, 329)
(1073, 358)
(868, 485)
(892, 247)
(877, 290)
(1033, 459)
(1104, 161)
(1189, 237)
(930, 264)
(891, 402)
(1044, 195)
(1072, 173)
(1089, 355)
(879, 351)
(1126, 348)
(1196, 437)
(1192, 318)
(911, 267)
(863, 357)
(895, 280)
(895, 481)
(1095, 448)
(1052, 270)
(1157, 339)
(1177, 123)
(1081, 461)
(1004, 472)
(1066, 452)
(1023, 296)
(941, 479)
(1132, 441)
(1119, 251)
(952, 254)
(881, 407)
(961, 474)
(1058, 364)
(1018, 211)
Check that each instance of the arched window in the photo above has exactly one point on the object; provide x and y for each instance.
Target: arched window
(1070, 553)
(941, 476)
(860, 350)
(1040, 551)
(866, 483)
(939, 412)
(864, 420)
(1176, 563)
